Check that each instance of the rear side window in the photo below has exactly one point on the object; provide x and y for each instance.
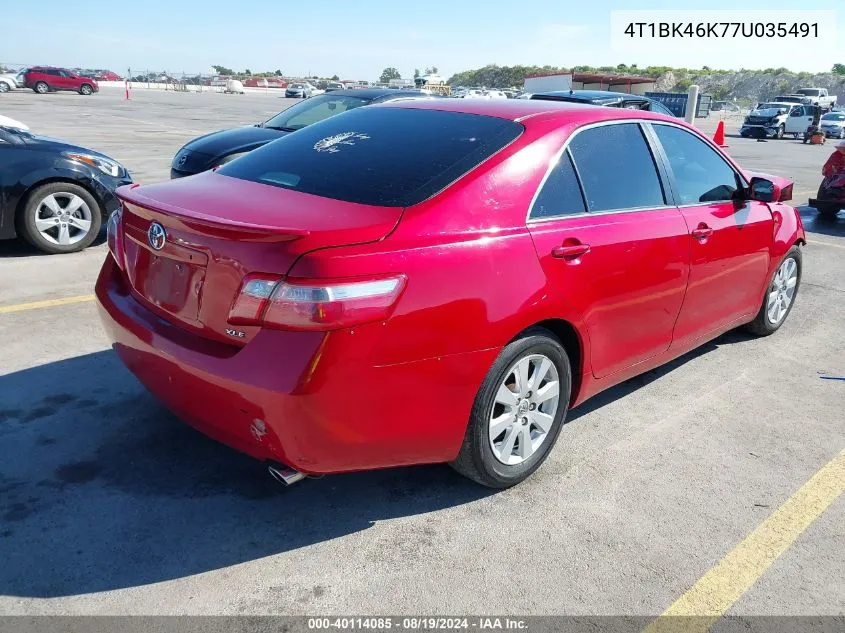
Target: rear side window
(376, 155)
(560, 194)
(701, 175)
(616, 168)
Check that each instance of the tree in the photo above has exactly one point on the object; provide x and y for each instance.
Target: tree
(278, 73)
(247, 72)
(838, 69)
(222, 70)
(335, 78)
(416, 72)
(431, 70)
(389, 73)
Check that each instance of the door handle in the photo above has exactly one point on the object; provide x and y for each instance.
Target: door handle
(570, 251)
(702, 232)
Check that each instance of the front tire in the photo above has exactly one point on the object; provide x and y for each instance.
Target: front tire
(4, 87)
(41, 88)
(518, 412)
(779, 133)
(780, 295)
(85, 89)
(827, 210)
(60, 217)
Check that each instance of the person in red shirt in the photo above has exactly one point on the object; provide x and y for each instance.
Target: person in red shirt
(836, 162)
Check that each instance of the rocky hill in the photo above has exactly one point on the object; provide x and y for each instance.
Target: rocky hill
(742, 85)
(751, 85)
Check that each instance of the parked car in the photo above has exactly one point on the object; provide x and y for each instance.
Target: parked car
(606, 99)
(797, 99)
(54, 194)
(44, 79)
(107, 75)
(11, 81)
(768, 119)
(495, 94)
(299, 91)
(217, 148)
(445, 254)
(470, 94)
(833, 124)
(819, 97)
(334, 85)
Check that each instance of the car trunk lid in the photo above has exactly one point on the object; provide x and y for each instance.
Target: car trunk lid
(216, 231)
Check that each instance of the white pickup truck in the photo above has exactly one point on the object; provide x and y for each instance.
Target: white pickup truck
(819, 97)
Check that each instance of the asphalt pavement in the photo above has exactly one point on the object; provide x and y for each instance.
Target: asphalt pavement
(109, 505)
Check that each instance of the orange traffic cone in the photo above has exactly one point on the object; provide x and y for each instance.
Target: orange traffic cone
(719, 137)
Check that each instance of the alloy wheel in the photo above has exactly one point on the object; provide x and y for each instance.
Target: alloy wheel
(524, 409)
(63, 218)
(782, 291)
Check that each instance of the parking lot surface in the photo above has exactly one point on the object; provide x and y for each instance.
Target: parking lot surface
(109, 505)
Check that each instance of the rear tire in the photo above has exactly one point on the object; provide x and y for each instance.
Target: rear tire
(4, 87)
(777, 302)
(501, 464)
(41, 88)
(79, 228)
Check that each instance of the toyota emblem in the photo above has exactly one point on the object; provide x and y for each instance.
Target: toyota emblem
(182, 159)
(156, 236)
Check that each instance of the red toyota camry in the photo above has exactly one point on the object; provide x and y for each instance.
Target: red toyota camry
(439, 281)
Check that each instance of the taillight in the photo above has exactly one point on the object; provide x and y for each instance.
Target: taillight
(296, 304)
(114, 238)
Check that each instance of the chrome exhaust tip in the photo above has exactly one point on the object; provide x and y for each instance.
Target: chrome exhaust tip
(287, 476)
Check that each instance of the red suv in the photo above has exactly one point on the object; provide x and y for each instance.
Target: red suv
(439, 280)
(44, 79)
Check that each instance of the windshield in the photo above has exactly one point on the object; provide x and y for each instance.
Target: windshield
(790, 99)
(313, 110)
(392, 157)
(810, 93)
(834, 116)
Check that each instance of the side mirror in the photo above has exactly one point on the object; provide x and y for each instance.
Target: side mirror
(332, 105)
(764, 190)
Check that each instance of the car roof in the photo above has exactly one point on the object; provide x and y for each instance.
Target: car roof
(520, 109)
(375, 93)
(591, 94)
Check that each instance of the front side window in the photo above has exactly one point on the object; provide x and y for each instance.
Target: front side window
(561, 193)
(616, 168)
(701, 175)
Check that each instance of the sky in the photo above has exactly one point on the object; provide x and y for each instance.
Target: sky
(357, 39)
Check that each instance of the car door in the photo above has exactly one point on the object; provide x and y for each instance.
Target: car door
(730, 236)
(799, 119)
(611, 245)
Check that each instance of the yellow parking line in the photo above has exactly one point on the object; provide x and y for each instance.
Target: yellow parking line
(49, 303)
(724, 584)
(823, 243)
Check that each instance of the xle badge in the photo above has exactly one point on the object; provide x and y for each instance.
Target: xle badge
(235, 333)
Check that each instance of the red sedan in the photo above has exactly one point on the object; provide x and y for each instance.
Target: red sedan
(439, 281)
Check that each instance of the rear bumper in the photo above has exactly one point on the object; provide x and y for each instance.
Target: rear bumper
(325, 406)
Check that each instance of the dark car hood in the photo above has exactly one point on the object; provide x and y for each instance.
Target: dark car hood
(239, 139)
(58, 145)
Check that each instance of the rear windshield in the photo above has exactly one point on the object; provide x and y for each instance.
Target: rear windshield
(379, 156)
